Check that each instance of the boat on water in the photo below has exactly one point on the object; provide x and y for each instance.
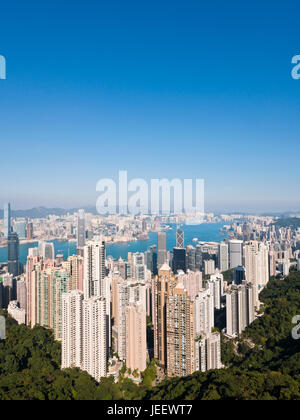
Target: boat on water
(195, 240)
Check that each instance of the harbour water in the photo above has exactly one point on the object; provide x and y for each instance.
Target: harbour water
(204, 232)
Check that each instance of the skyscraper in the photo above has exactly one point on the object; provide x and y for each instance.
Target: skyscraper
(198, 258)
(8, 289)
(7, 220)
(163, 285)
(256, 266)
(204, 312)
(13, 254)
(75, 269)
(122, 300)
(179, 260)
(136, 339)
(190, 258)
(209, 267)
(161, 249)
(81, 229)
(223, 257)
(151, 259)
(138, 266)
(32, 262)
(22, 293)
(239, 275)
(180, 333)
(16, 312)
(235, 253)
(72, 324)
(20, 228)
(239, 308)
(46, 250)
(179, 238)
(216, 286)
(46, 288)
(94, 269)
(208, 352)
(272, 263)
(29, 231)
(84, 339)
(192, 282)
(94, 355)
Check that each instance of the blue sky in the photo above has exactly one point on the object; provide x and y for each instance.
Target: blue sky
(161, 89)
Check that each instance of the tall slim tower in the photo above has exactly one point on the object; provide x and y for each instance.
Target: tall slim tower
(216, 287)
(239, 308)
(94, 269)
(198, 258)
(75, 268)
(161, 248)
(46, 250)
(29, 231)
(256, 266)
(7, 220)
(223, 257)
(13, 254)
(179, 238)
(235, 253)
(72, 329)
(94, 360)
(163, 285)
(138, 266)
(22, 294)
(81, 229)
(179, 260)
(46, 289)
(180, 333)
(191, 258)
(192, 282)
(208, 352)
(122, 302)
(136, 338)
(204, 312)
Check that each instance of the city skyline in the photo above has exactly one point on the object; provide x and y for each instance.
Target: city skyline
(158, 313)
(190, 99)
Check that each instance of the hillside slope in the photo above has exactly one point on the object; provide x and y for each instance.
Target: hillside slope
(30, 363)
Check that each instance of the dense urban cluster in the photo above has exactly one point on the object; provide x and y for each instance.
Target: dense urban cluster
(176, 308)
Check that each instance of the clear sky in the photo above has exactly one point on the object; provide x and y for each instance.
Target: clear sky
(160, 89)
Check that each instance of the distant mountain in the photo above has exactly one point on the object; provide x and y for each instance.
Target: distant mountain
(41, 212)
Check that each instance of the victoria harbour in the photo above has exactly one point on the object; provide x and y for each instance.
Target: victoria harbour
(207, 232)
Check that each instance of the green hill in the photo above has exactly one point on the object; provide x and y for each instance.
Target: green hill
(263, 364)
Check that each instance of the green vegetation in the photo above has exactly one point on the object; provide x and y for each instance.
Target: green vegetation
(30, 370)
(292, 222)
(149, 375)
(264, 363)
(228, 275)
(268, 371)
